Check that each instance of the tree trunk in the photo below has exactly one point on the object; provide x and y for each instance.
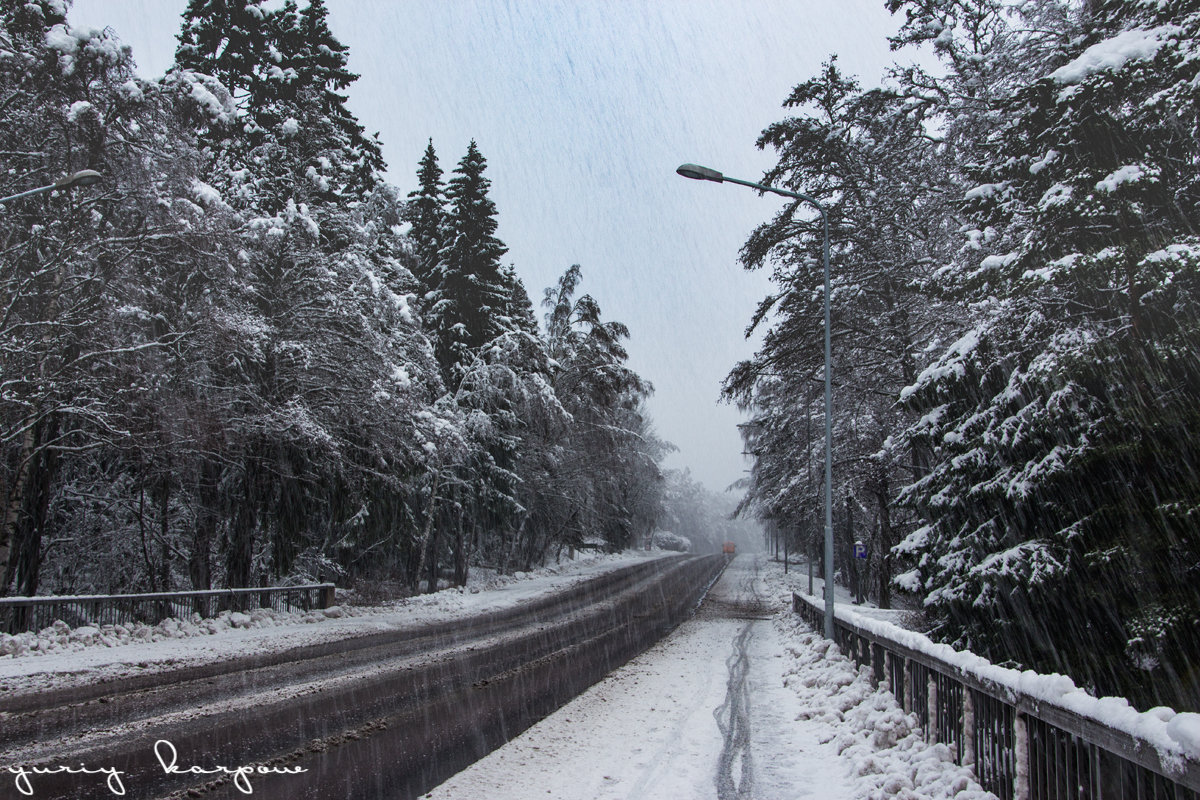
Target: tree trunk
(427, 534)
(15, 510)
(164, 499)
(460, 553)
(431, 560)
(207, 497)
(239, 552)
(141, 518)
(28, 510)
(884, 545)
(852, 570)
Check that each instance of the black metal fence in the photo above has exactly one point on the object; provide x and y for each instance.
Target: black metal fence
(19, 614)
(1020, 748)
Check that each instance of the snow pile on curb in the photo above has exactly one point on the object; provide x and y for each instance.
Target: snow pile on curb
(1175, 736)
(887, 755)
(60, 637)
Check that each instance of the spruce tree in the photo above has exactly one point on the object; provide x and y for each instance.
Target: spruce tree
(1060, 513)
(226, 39)
(470, 303)
(426, 211)
(288, 73)
(321, 61)
(520, 307)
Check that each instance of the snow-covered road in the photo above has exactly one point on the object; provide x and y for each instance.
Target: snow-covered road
(58, 658)
(739, 702)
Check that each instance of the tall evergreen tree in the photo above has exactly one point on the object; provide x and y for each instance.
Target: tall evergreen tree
(288, 73)
(320, 60)
(469, 306)
(520, 307)
(227, 39)
(1061, 510)
(426, 211)
(884, 184)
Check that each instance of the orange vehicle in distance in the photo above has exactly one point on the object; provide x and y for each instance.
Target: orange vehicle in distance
(729, 548)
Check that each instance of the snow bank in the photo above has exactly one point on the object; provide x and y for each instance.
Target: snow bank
(60, 637)
(1174, 736)
(882, 745)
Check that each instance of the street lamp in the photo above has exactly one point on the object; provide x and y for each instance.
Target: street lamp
(696, 172)
(84, 177)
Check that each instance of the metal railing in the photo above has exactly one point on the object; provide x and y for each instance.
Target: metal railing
(1020, 747)
(18, 614)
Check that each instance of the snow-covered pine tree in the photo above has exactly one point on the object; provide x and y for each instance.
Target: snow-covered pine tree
(884, 182)
(227, 40)
(520, 307)
(426, 212)
(121, 319)
(608, 461)
(321, 60)
(320, 277)
(1063, 507)
(469, 305)
(288, 73)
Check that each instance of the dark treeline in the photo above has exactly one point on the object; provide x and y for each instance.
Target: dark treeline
(1016, 334)
(244, 358)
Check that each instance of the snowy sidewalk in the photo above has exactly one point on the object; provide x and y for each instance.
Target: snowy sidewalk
(742, 701)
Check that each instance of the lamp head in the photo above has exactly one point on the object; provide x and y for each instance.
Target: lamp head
(699, 173)
(84, 177)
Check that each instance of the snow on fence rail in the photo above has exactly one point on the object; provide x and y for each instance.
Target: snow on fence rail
(1027, 736)
(19, 614)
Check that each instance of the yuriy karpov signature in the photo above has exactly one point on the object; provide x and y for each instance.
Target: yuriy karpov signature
(168, 759)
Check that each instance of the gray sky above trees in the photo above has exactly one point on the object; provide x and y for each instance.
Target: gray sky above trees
(583, 110)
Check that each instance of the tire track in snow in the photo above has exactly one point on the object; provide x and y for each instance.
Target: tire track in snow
(735, 768)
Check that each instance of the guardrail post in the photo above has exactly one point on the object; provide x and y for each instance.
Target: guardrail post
(328, 597)
(968, 729)
(933, 730)
(1021, 757)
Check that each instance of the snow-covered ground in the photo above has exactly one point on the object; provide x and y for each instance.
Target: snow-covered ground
(59, 656)
(740, 701)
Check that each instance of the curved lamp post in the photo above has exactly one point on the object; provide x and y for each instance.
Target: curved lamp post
(696, 172)
(84, 177)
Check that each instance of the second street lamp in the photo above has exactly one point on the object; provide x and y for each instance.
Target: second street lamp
(84, 177)
(696, 172)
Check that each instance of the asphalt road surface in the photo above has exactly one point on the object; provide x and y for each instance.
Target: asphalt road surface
(382, 716)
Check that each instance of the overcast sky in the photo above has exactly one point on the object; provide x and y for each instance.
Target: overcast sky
(583, 109)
